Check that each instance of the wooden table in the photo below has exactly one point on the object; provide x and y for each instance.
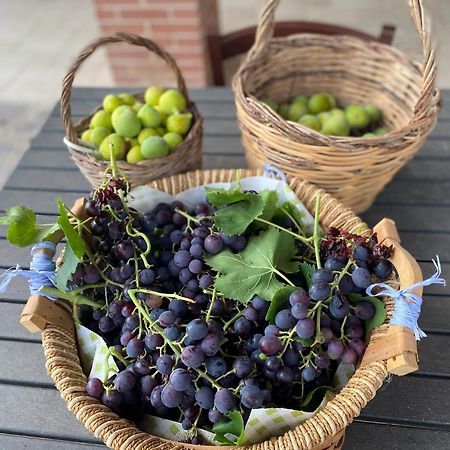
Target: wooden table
(408, 413)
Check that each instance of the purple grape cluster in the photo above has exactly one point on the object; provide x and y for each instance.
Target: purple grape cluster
(187, 353)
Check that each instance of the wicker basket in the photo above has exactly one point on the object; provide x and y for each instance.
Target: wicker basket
(354, 170)
(186, 156)
(391, 348)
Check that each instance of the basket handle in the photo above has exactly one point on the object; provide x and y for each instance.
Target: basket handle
(129, 38)
(266, 26)
(398, 346)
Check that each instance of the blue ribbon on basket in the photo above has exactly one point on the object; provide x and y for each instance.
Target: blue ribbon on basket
(42, 270)
(273, 172)
(407, 304)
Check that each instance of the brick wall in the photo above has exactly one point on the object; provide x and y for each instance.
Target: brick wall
(177, 25)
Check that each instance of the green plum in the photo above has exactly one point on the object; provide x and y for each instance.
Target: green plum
(149, 117)
(145, 133)
(127, 124)
(117, 143)
(111, 102)
(101, 119)
(296, 111)
(320, 102)
(179, 123)
(172, 101)
(336, 125)
(173, 139)
(373, 112)
(310, 121)
(127, 99)
(98, 134)
(357, 117)
(154, 147)
(152, 95)
(134, 155)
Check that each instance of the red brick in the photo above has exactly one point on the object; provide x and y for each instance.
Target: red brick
(169, 28)
(111, 29)
(185, 13)
(105, 14)
(143, 13)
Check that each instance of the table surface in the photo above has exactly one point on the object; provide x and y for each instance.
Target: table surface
(412, 412)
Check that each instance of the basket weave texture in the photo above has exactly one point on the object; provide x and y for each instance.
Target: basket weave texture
(186, 157)
(323, 431)
(353, 169)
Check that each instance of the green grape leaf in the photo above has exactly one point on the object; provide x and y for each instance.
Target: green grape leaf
(307, 271)
(67, 269)
(314, 398)
(232, 425)
(380, 310)
(222, 197)
(23, 229)
(76, 242)
(280, 301)
(254, 270)
(289, 209)
(270, 199)
(235, 218)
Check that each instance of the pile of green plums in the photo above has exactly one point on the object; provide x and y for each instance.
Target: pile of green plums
(322, 113)
(138, 131)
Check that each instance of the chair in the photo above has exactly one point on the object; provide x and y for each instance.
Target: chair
(232, 44)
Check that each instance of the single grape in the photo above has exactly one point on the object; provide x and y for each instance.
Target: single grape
(251, 396)
(224, 401)
(148, 383)
(167, 319)
(179, 307)
(176, 236)
(90, 274)
(361, 253)
(299, 311)
(205, 397)
(170, 397)
(216, 328)
(142, 367)
(327, 334)
(335, 349)
(272, 363)
(270, 345)
(383, 269)
(358, 346)
(335, 263)
(284, 320)
(180, 379)
(112, 399)
(243, 366)
(126, 271)
(361, 277)
(319, 290)
(197, 329)
(355, 332)
(215, 366)
(126, 337)
(242, 327)
(272, 330)
(215, 416)
(322, 361)
(195, 266)
(185, 244)
(91, 209)
(239, 244)
(339, 306)
(197, 241)
(291, 357)
(172, 334)
(305, 328)
(185, 275)
(322, 275)
(349, 356)
(153, 301)
(196, 251)
(251, 313)
(285, 375)
(346, 285)
(309, 373)
(260, 304)
(226, 238)
(213, 244)
(124, 251)
(364, 310)
(192, 356)
(205, 281)
(182, 258)
(94, 387)
(186, 424)
(106, 324)
(125, 381)
(210, 344)
(135, 348)
(164, 365)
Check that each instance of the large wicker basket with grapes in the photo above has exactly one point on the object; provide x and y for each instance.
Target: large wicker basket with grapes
(217, 310)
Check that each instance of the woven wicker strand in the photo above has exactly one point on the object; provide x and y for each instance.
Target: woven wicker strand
(325, 431)
(187, 156)
(353, 169)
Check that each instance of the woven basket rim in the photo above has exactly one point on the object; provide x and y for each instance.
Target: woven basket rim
(336, 415)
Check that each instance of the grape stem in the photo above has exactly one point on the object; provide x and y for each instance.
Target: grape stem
(299, 227)
(112, 351)
(232, 320)
(296, 235)
(75, 299)
(164, 295)
(211, 304)
(316, 236)
(288, 281)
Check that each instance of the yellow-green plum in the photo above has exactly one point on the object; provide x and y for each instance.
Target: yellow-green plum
(145, 133)
(127, 124)
(111, 102)
(357, 117)
(154, 147)
(179, 123)
(173, 139)
(149, 117)
(127, 99)
(373, 112)
(86, 136)
(152, 95)
(310, 121)
(172, 101)
(101, 119)
(98, 134)
(296, 111)
(336, 125)
(134, 155)
(116, 143)
(320, 102)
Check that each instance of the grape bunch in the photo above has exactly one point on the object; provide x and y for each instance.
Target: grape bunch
(186, 352)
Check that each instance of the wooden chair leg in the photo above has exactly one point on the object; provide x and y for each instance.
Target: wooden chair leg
(387, 34)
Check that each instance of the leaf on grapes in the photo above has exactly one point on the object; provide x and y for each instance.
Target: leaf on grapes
(221, 197)
(280, 301)
(289, 209)
(23, 229)
(380, 310)
(67, 269)
(233, 425)
(270, 199)
(76, 242)
(314, 398)
(254, 270)
(235, 218)
(307, 271)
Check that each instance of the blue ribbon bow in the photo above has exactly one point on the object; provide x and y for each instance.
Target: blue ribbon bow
(273, 172)
(42, 270)
(408, 304)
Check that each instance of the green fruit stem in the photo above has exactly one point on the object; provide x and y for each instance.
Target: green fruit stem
(112, 351)
(73, 298)
(296, 236)
(316, 236)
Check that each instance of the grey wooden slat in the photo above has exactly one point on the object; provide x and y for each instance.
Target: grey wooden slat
(10, 325)
(370, 436)
(39, 412)
(18, 442)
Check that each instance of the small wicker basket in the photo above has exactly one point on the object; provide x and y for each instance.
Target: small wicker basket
(354, 170)
(391, 348)
(186, 156)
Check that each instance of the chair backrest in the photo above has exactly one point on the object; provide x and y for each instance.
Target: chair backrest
(232, 44)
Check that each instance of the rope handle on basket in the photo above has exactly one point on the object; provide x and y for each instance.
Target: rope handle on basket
(128, 38)
(266, 26)
(398, 346)
(41, 310)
